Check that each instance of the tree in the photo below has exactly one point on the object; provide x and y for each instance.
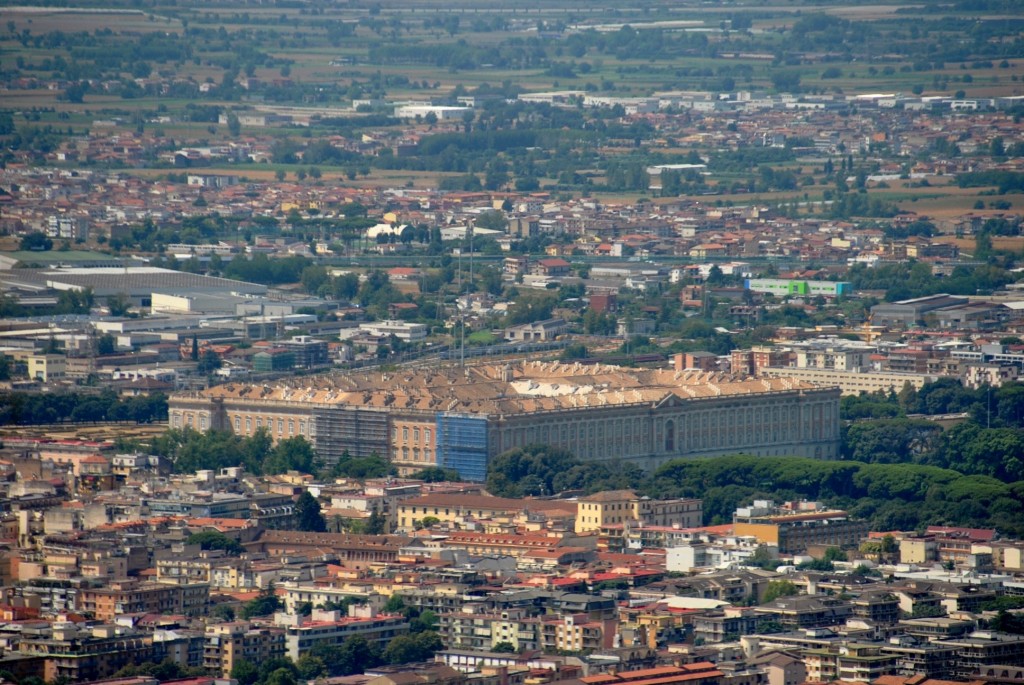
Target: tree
(889, 440)
(426, 621)
(212, 539)
(291, 454)
(307, 514)
(394, 605)
(823, 565)
(504, 647)
(355, 655)
(194, 356)
(528, 309)
(281, 676)
(763, 558)
(1008, 622)
(119, 304)
(493, 219)
(529, 470)
(223, 612)
(835, 554)
(996, 147)
(190, 451)
(373, 466)
(376, 524)
(311, 667)
(314, 278)
(779, 588)
(407, 649)
(786, 81)
(36, 241)
(245, 672)
(106, 344)
(209, 362)
(76, 92)
(437, 474)
(574, 351)
(265, 604)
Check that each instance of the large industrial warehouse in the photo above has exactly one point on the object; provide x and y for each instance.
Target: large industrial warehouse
(460, 417)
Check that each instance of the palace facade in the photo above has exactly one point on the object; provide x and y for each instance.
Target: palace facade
(461, 417)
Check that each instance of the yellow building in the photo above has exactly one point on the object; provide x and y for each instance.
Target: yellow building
(457, 508)
(918, 550)
(577, 633)
(625, 506)
(227, 643)
(47, 367)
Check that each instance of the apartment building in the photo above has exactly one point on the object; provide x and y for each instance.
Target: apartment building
(983, 649)
(727, 624)
(477, 627)
(577, 633)
(302, 634)
(856, 663)
(134, 597)
(921, 658)
(229, 643)
(806, 611)
(81, 654)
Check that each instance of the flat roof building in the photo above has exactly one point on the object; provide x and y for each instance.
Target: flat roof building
(909, 313)
(796, 526)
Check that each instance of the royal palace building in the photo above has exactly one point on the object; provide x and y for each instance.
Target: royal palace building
(460, 417)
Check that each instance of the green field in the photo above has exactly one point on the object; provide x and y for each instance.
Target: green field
(169, 70)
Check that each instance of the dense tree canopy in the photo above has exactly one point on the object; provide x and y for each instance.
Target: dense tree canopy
(190, 450)
(264, 605)
(212, 539)
(544, 470)
(79, 407)
(373, 466)
(890, 496)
